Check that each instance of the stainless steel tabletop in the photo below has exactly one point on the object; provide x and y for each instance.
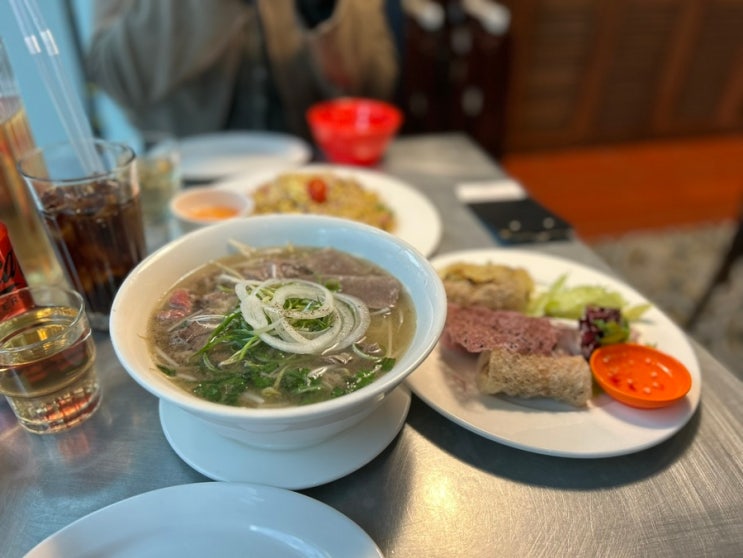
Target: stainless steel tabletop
(437, 489)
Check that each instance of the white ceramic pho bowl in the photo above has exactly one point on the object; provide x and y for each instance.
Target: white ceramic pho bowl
(289, 427)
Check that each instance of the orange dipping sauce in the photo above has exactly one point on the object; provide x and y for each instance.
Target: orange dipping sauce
(212, 212)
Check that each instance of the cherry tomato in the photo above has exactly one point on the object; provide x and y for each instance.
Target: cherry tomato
(317, 189)
(640, 376)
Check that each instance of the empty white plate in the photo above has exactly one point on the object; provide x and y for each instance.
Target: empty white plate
(211, 519)
(213, 156)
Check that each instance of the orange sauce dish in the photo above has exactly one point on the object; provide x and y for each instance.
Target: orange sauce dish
(640, 376)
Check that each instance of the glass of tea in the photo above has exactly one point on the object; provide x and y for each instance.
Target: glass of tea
(17, 210)
(87, 194)
(47, 358)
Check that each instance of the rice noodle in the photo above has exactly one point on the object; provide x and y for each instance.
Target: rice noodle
(361, 353)
(208, 321)
(182, 321)
(163, 355)
(252, 397)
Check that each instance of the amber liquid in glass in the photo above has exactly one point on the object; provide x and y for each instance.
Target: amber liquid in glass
(17, 211)
(51, 383)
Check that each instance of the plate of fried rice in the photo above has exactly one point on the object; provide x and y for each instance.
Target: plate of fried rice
(363, 195)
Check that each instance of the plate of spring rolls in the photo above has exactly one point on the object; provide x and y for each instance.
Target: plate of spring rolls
(508, 370)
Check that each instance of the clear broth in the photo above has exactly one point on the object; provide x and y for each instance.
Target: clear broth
(268, 377)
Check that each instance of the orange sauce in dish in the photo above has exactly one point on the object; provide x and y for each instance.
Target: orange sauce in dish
(212, 212)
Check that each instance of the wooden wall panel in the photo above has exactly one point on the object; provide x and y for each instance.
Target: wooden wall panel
(584, 72)
(623, 70)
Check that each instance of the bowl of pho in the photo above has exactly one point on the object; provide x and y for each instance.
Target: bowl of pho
(279, 331)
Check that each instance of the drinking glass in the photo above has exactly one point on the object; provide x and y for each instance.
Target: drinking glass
(17, 211)
(47, 358)
(91, 211)
(159, 168)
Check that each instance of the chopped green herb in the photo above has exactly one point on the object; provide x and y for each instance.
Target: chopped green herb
(166, 370)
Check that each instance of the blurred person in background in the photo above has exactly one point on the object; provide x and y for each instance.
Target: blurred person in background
(196, 66)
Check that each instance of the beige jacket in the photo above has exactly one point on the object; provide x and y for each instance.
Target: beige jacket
(176, 64)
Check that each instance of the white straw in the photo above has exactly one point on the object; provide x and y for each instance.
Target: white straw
(57, 81)
(7, 85)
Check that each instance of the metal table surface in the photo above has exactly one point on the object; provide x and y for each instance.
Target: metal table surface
(437, 489)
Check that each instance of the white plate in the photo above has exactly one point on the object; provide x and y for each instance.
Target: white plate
(224, 459)
(211, 519)
(445, 381)
(418, 221)
(214, 156)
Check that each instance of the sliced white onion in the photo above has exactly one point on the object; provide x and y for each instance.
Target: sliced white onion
(262, 306)
(310, 291)
(361, 318)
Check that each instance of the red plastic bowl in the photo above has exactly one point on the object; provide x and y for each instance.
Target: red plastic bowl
(353, 131)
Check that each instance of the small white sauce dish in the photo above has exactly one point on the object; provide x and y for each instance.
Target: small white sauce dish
(194, 208)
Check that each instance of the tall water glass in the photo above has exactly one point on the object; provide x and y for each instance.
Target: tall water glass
(159, 169)
(92, 215)
(17, 211)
